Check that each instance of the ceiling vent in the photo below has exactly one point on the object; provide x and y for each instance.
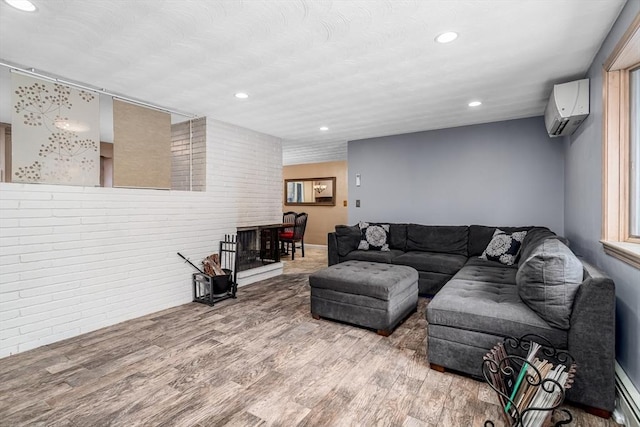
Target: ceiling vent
(567, 108)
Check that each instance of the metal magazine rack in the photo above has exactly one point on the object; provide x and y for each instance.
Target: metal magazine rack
(529, 376)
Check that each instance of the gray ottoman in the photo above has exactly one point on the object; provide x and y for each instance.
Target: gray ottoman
(370, 294)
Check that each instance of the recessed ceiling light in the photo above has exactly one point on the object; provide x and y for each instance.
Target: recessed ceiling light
(241, 95)
(324, 128)
(475, 104)
(447, 37)
(24, 5)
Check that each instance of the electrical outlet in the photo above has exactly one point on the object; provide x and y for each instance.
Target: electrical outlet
(358, 203)
(344, 203)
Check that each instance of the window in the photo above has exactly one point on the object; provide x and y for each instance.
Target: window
(621, 133)
(634, 154)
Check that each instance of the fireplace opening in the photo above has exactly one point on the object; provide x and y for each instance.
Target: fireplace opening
(257, 246)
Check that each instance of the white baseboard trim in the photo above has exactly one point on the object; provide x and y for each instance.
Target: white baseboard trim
(261, 273)
(627, 399)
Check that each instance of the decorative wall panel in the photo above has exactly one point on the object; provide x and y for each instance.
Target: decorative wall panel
(142, 147)
(55, 133)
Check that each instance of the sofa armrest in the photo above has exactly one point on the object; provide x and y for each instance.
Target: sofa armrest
(332, 248)
(592, 341)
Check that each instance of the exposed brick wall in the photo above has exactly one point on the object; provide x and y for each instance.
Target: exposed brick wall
(75, 259)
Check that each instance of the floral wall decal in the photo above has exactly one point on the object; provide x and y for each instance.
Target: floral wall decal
(56, 133)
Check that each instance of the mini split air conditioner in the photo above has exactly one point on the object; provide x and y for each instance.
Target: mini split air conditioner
(567, 108)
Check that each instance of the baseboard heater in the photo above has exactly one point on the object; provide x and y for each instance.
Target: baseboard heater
(628, 398)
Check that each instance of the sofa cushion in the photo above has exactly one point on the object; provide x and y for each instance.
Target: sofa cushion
(437, 238)
(373, 256)
(480, 236)
(429, 283)
(398, 236)
(548, 281)
(491, 308)
(504, 247)
(381, 281)
(432, 261)
(374, 237)
(347, 238)
(477, 269)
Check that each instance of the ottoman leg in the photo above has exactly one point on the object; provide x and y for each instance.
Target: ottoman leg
(384, 332)
(438, 368)
(315, 316)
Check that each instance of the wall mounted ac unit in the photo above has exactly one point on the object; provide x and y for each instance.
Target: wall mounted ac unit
(567, 108)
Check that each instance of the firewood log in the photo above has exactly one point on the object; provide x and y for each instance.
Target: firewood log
(212, 266)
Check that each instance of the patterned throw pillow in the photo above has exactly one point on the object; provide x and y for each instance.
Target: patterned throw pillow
(504, 247)
(374, 237)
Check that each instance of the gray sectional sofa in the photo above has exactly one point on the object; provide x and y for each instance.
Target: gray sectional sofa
(437, 252)
(476, 302)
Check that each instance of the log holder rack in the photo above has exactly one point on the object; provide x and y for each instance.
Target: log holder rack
(212, 289)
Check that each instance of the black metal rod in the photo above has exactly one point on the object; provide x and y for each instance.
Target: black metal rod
(190, 263)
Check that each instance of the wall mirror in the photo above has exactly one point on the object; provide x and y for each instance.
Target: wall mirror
(310, 191)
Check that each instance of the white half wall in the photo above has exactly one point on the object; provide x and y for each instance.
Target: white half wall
(76, 259)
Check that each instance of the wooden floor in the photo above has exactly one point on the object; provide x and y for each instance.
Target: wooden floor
(258, 360)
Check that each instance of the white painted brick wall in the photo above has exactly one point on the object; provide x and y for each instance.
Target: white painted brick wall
(188, 155)
(75, 259)
(245, 176)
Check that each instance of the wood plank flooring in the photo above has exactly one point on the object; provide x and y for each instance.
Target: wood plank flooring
(260, 360)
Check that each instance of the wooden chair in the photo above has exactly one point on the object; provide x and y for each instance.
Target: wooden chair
(300, 225)
(287, 218)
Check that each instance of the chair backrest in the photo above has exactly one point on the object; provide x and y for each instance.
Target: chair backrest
(289, 218)
(301, 226)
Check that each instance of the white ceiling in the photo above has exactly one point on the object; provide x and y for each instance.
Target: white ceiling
(363, 68)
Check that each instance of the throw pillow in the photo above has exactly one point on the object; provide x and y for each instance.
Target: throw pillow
(348, 238)
(548, 280)
(535, 236)
(374, 237)
(504, 247)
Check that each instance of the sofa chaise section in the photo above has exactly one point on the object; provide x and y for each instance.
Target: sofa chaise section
(481, 306)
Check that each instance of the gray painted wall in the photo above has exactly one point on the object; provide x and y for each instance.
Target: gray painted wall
(503, 173)
(583, 207)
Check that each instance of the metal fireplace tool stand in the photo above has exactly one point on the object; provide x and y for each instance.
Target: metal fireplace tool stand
(212, 289)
